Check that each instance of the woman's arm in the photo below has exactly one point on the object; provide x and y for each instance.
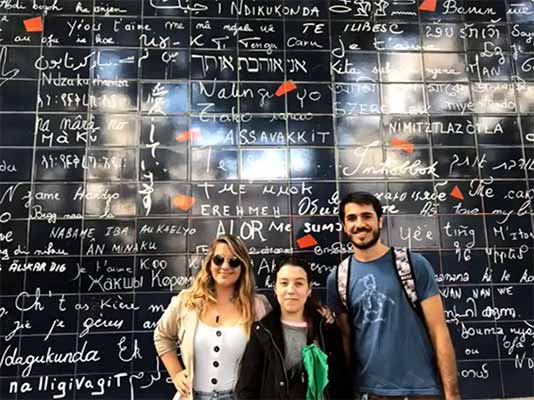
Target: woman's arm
(179, 375)
(165, 338)
(166, 332)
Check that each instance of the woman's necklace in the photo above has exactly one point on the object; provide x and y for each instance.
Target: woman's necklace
(218, 314)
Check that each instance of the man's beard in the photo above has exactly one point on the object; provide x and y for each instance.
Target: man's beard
(366, 245)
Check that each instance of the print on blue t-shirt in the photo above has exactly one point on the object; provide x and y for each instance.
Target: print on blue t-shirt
(371, 299)
(391, 346)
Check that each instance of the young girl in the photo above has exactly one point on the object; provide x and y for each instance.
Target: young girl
(274, 364)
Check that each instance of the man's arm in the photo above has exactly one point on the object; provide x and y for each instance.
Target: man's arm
(442, 343)
(342, 321)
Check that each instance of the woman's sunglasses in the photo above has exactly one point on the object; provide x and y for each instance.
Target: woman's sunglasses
(233, 262)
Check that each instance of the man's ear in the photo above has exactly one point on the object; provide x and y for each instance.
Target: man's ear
(381, 222)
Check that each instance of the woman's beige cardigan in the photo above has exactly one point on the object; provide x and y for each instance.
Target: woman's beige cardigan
(178, 325)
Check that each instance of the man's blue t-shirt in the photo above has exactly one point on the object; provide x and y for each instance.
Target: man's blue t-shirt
(392, 348)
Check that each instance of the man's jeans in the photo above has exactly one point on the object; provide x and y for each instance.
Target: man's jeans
(375, 397)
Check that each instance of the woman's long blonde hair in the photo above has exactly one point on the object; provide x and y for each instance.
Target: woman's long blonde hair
(202, 291)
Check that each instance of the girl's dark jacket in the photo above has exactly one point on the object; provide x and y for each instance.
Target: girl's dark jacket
(263, 373)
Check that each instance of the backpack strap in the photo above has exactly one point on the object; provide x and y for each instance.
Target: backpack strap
(403, 267)
(343, 279)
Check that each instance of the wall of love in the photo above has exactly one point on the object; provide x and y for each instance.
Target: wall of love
(133, 132)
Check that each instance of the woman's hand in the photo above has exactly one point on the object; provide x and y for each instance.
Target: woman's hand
(327, 314)
(181, 382)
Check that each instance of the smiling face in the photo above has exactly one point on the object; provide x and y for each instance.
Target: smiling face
(361, 225)
(292, 289)
(224, 275)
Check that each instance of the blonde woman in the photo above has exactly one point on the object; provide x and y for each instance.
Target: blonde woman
(211, 322)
